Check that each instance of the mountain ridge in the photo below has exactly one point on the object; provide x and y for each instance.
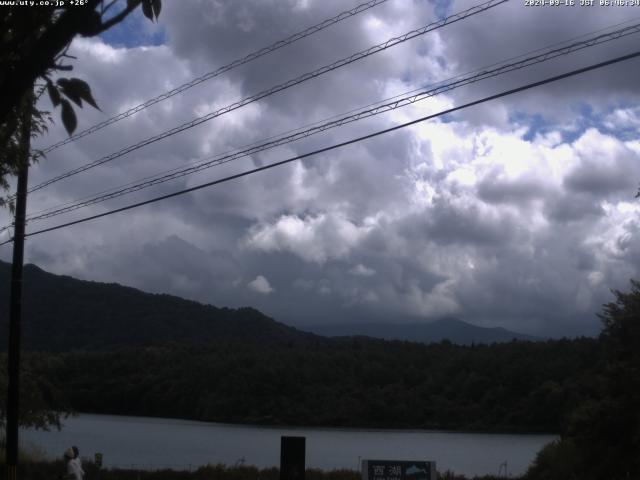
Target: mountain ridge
(62, 313)
(452, 329)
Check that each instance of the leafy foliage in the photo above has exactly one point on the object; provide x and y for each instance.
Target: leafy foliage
(12, 155)
(34, 45)
(602, 433)
(76, 90)
(151, 9)
(558, 460)
(41, 402)
(68, 116)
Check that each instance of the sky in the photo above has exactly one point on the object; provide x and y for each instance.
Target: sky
(518, 213)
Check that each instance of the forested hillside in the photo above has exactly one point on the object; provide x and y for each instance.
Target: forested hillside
(518, 386)
(61, 313)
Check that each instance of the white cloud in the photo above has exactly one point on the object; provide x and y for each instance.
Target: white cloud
(312, 238)
(261, 285)
(623, 118)
(362, 271)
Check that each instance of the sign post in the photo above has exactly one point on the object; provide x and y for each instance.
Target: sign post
(398, 470)
(98, 462)
(292, 458)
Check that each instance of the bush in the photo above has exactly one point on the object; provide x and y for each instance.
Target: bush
(558, 460)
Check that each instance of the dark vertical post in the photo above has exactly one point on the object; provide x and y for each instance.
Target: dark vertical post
(292, 458)
(15, 309)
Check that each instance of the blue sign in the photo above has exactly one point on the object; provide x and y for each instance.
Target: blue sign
(398, 470)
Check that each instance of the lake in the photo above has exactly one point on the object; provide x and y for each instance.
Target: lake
(153, 443)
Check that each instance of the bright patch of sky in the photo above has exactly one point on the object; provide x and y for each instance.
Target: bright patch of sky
(621, 121)
(535, 124)
(135, 31)
(442, 7)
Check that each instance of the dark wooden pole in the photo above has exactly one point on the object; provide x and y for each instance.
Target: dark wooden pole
(15, 309)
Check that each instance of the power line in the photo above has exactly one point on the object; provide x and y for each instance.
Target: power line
(278, 88)
(343, 144)
(235, 154)
(363, 113)
(326, 119)
(230, 66)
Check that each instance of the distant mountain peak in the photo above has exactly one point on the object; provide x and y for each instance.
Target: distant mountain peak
(447, 328)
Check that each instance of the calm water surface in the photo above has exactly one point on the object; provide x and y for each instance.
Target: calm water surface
(150, 443)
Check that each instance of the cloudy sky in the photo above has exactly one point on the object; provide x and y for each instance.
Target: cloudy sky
(517, 213)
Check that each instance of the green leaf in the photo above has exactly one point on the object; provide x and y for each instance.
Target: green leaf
(147, 9)
(82, 90)
(69, 91)
(54, 94)
(77, 90)
(68, 116)
(156, 6)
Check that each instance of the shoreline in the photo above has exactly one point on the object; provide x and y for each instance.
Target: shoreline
(329, 428)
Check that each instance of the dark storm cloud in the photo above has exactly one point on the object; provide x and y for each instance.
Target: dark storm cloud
(537, 284)
(169, 265)
(499, 191)
(600, 178)
(513, 29)
(572, 207)
(235, 30)
(627, 246)
(446, 223)
(607, 170)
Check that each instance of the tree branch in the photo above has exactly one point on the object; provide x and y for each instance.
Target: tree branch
(131, 6)
(40, 58)
(106, 9)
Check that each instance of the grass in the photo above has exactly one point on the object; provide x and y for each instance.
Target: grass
(54, 470)
(26, 454)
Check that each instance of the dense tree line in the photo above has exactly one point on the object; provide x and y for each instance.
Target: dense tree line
(517, 386)
(601, 435)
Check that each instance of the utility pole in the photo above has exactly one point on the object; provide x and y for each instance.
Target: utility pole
(15, 309)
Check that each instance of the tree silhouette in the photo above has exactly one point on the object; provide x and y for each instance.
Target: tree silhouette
(34, 45)
(602, 435)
